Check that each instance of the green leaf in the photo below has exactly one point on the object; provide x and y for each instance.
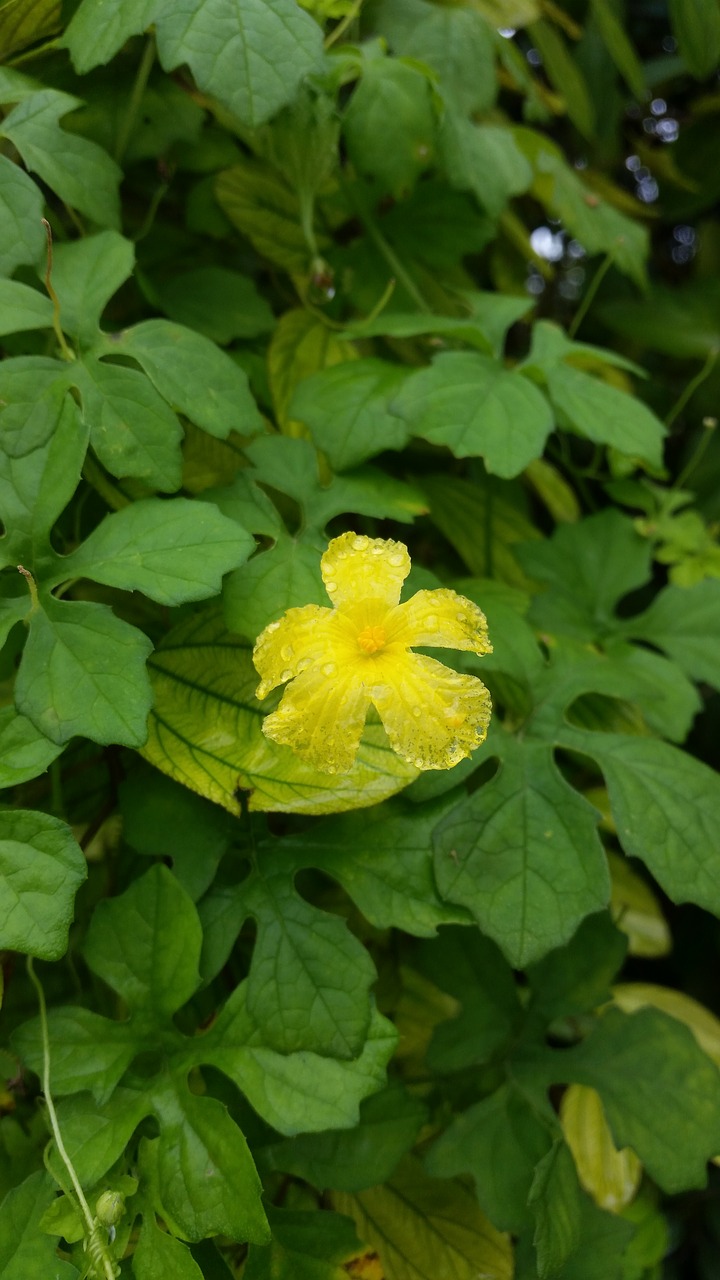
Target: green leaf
(86, 275)
(95, 33)
(684, 621)
(475, 406)
(83, 672)
(96, 1134)
(456, 43)
(88, 1052)
(190, 372)
(41, 869)
(295, 1093)
(604, 414)
(225, 43)
(423, 1228)
(172, 551)
(472, 969)
(24, 752)
(205, 731)
(25, 22)
(205, 1173)
(555, 1200)
(272, 581)
(483, 159)
(25, 1250)
(306, 1245)
(347, 410)
(21, 208)
(389, 124)
(564, 75)
(158, 1255)
(660, 1092)
(696, 27)
(460, 508)
(146, 944)
(79, 171)
(619, 46)
(499, 1141)
(309, 980)
(665, 806)
(491, 316)
(217, 302)
(586, 569)
(262, 207)
(23, 308)
(353, 1159)
(133, 431)
(523, 855)
(577, 978)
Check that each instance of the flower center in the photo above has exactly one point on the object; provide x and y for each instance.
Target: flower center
(372, 639)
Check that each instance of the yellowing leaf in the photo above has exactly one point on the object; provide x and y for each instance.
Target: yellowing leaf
(610, 1176)
(637, 911)
(301, 345)
(630, 996)
(421, 1008)
(259, 204)
(428, 1229)
(205, 731)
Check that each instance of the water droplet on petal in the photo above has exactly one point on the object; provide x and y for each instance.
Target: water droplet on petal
(377, 550)
(304, 663)
(396, 560)
(417, 711)
(331, 586)
(360, 543)
(272, 626)
(329, 669)
(287, 652)
(286, 675)
(460, 617)
(431, 622)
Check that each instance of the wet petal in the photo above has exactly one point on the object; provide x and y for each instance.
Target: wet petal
(285, 648)
(439, 619)
(356, 568)
(321, 719)
(433, 716)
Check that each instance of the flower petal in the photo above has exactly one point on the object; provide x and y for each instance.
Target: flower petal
(439, 619)
(357, 568)
(285, 648)
(433, 716)
(321, 720)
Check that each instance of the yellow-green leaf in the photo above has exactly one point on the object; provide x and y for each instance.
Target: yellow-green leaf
(427, 1228)
(637, 911)
(259, 204)
(205, 731)
(300, 345)
(23, 22)
(610, 1176)
(630, 996)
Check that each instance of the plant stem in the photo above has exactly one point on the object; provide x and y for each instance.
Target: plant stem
(67, 354)
(342, 27)
(698, 453)
(692, 386)
(141, 78)
(386, 250)
(589, 298)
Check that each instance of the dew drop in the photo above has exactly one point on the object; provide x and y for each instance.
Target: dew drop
(287, 652)
(396, 560)
(417, 711)
(331, 587)
(376, 550)
(272, 626)
(304, 663)
(418, 762)
(329, 669)
(360, 543)
(431, 622)
(286, 675)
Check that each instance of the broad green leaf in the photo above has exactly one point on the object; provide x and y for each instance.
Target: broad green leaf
(79, 171)
(660, 1092)
(483, 159)
(24, 752)
(23, 308)
(576, 978)
(499, 1141)
(523, 855)
(309, 980)
(491, 315)
(301, 345)
(664, 804)
(306, 1245)
(295, 1093)
(171, 551)
(25, 1250)
(636, 911)
(39, 477)
(95, 33)
(555, 1201)
(436, 226)
(696, 27)
(346, 409)
(586, 568)
(88, 1052)
(389, 124)
(217, 302)
(471, 968)
(353, 1159)
(86, 274)
(23, 22)
(564, 74)
(668, 701)
(423, 1228)
(96, 1134)
(456, 43)
(684, 622)
(604, 414)
(190, 372)
(260, 205)
(225, 43)
(610, 1176)
(619, 46)
(146, 944)
(281, 578)
(683, 322)
(159, 1254)
(475, 406)
(21, 207)
(133, 430)
(83, 672)
(205, 731)
(705, 1026)
(384, 864)
(603, 1251)
(41, 869)
(206, 1175)
(461, 508)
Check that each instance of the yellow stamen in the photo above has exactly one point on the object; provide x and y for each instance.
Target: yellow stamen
(371, 639)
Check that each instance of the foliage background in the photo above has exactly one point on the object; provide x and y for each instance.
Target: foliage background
(440, 272)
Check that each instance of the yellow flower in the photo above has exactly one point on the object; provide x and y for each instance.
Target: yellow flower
(341, 660)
